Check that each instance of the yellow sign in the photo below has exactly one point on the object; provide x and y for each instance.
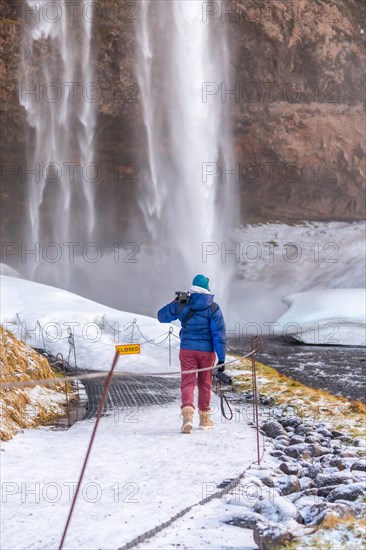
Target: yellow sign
(126, 349)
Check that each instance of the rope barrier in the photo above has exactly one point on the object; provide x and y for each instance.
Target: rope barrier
(101, 323)
(257, 345)
(102, 374)
(107, 384)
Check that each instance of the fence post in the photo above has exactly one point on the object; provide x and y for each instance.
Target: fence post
(257, 345)
(71, 342)
(170, 344)
(59, 355)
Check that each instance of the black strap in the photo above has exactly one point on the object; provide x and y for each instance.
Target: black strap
(213, 308)
(190, 314)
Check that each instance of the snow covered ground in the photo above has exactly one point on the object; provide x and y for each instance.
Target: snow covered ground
(330, 317)
(96, 328)
(141, 472)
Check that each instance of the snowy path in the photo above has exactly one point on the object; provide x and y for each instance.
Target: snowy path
(142, 471)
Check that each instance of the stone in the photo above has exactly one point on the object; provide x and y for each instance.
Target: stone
(278, 510)
(349, 492)
(312, 439)
(317, 450)
(291, 422)
(335, 444)
(335, 478)
(271, 536)
(289, 429)
(312, 449)
(359, 465)
(327, 470)
(295, 450)
(313, 470)
(287, 484)
(306, 483)
(348, 454)
(295, 439)
(325, 432)
(277, 453)
(282, 440)
(331, 509)
(280, 446)
(303, 429)
(339, 463)
(336, 433)
(325, 490)
(273, 429)
(359, 475)
(248, 520)
(292, 469)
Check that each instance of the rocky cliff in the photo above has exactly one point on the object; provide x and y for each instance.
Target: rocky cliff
(296, 108)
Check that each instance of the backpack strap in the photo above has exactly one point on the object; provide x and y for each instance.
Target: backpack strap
(213, 308)
(190, 314)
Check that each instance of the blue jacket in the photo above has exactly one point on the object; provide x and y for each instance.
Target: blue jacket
(204, 331)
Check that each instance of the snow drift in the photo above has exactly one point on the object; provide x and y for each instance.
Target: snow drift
(326, 317)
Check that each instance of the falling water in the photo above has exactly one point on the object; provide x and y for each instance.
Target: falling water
(56, 90)
(183, 208)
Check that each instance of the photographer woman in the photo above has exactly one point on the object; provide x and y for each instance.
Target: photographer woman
(202, 334)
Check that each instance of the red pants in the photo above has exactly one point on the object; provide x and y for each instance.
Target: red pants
(190, 360)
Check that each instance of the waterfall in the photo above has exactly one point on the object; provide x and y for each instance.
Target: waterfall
(57, 91)
(183, 207)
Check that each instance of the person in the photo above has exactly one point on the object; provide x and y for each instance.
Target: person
(202, 334)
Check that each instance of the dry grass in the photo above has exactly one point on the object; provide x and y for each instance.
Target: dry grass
(347, 533)
(23, 407)
(318, 405)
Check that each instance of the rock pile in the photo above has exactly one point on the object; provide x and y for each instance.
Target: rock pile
(317, 474)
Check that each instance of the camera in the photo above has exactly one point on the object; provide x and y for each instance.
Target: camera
(182, 297)
(222, 377)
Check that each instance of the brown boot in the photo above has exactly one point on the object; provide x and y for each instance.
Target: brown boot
(205, 420)
(187, 413)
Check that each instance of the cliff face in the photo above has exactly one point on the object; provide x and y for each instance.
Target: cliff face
(297, 110)
(302, 121)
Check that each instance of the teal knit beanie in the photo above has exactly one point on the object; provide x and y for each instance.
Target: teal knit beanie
(200, 280)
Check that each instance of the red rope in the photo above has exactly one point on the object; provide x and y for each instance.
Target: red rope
(107, 384)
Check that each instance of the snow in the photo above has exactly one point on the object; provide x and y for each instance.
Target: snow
(328, 317)
(97, 328)
(274, 260)
(142, 470)
(44, 397)
(140, 473)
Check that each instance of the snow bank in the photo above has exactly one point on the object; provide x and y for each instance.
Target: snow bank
(327, 317)
(96, 328)
(5, 269)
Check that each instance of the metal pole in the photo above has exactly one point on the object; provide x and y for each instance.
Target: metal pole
(257, 345)
(107, 384)
(133, 330)
(170, 345)
(59, 355)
